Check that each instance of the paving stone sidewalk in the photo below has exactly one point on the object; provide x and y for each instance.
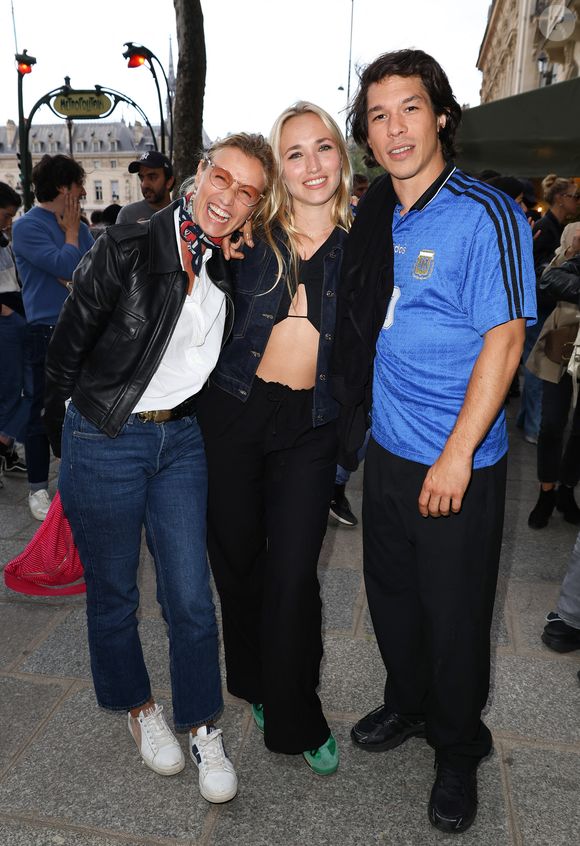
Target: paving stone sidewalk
(70, 774)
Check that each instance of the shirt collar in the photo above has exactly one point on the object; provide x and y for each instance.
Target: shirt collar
(434, 188)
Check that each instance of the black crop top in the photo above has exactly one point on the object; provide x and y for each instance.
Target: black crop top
(311, 275)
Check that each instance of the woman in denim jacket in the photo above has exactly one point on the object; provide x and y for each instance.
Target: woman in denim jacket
(269, 423)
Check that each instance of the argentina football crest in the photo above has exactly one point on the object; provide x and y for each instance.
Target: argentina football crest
(424, 264)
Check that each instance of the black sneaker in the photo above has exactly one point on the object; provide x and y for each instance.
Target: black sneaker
(340, 508)
(382, 729)
(453, 803)
(13, 463)
(542, 510)
(559, 636)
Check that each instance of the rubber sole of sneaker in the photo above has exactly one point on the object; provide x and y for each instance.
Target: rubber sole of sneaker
(389, 744)
(218, 800)
(342, 520)
(176, 768)
(17, 469)
(173, 771)
(448, 826)
(557, 644)
(316, 772)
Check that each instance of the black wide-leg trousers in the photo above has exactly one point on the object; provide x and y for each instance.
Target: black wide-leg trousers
(431, 587)
(271, 476)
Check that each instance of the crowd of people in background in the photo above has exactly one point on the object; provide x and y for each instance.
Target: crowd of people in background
(246, 387)
(549, 414)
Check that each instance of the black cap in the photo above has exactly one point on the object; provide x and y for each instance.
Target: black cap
(152, 158)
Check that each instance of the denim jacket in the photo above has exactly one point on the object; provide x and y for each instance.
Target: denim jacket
(256, 302)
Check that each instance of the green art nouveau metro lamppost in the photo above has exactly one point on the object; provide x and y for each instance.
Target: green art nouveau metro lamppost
(24, 64)
(138, 55)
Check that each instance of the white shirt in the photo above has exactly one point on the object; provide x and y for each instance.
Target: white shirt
(195, 345)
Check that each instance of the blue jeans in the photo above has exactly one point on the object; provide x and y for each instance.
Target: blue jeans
(14, 406)
(151, 475)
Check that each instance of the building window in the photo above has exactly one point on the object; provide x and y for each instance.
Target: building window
(113, 164)
(96, 146)
(79, 146)
(114, 146)
(96, 164)
(98, 190)
(115, 190)
(53, 146)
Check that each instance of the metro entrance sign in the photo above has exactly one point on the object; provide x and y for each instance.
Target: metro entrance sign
(67, 102)
(81, 105)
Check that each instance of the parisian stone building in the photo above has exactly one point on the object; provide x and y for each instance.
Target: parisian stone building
(528, 44)
(103, 149)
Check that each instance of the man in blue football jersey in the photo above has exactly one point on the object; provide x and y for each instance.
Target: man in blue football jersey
(441, 361)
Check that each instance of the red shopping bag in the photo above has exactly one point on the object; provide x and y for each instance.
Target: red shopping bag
(50, 564)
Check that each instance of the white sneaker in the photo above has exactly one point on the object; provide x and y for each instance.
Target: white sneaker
(39, 502)
(156, 742)
(218, 781)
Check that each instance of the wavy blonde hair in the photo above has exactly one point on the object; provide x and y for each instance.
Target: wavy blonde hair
(278, 212)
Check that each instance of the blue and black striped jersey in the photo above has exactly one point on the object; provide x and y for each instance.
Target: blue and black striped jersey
(463, 265)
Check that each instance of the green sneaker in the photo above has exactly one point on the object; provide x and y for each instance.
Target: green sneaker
(258, 715)
(324, 760)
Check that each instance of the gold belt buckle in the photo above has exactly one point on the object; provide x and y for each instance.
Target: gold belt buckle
(156, 416)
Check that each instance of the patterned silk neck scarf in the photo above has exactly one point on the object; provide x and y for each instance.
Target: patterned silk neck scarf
(195, 238)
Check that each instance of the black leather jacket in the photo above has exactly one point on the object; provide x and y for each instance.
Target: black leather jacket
(114, 328)
(563, 283)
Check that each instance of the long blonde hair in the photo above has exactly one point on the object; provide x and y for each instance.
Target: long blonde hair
(278, 210)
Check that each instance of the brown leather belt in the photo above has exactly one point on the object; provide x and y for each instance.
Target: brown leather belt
(187, 408)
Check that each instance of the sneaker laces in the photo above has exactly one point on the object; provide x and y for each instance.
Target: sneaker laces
(157, 731)
(214, 756)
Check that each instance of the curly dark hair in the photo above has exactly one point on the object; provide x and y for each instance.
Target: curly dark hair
(435, 82)
(54, 172)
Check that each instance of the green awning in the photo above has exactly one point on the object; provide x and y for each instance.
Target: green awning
(530, 134)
